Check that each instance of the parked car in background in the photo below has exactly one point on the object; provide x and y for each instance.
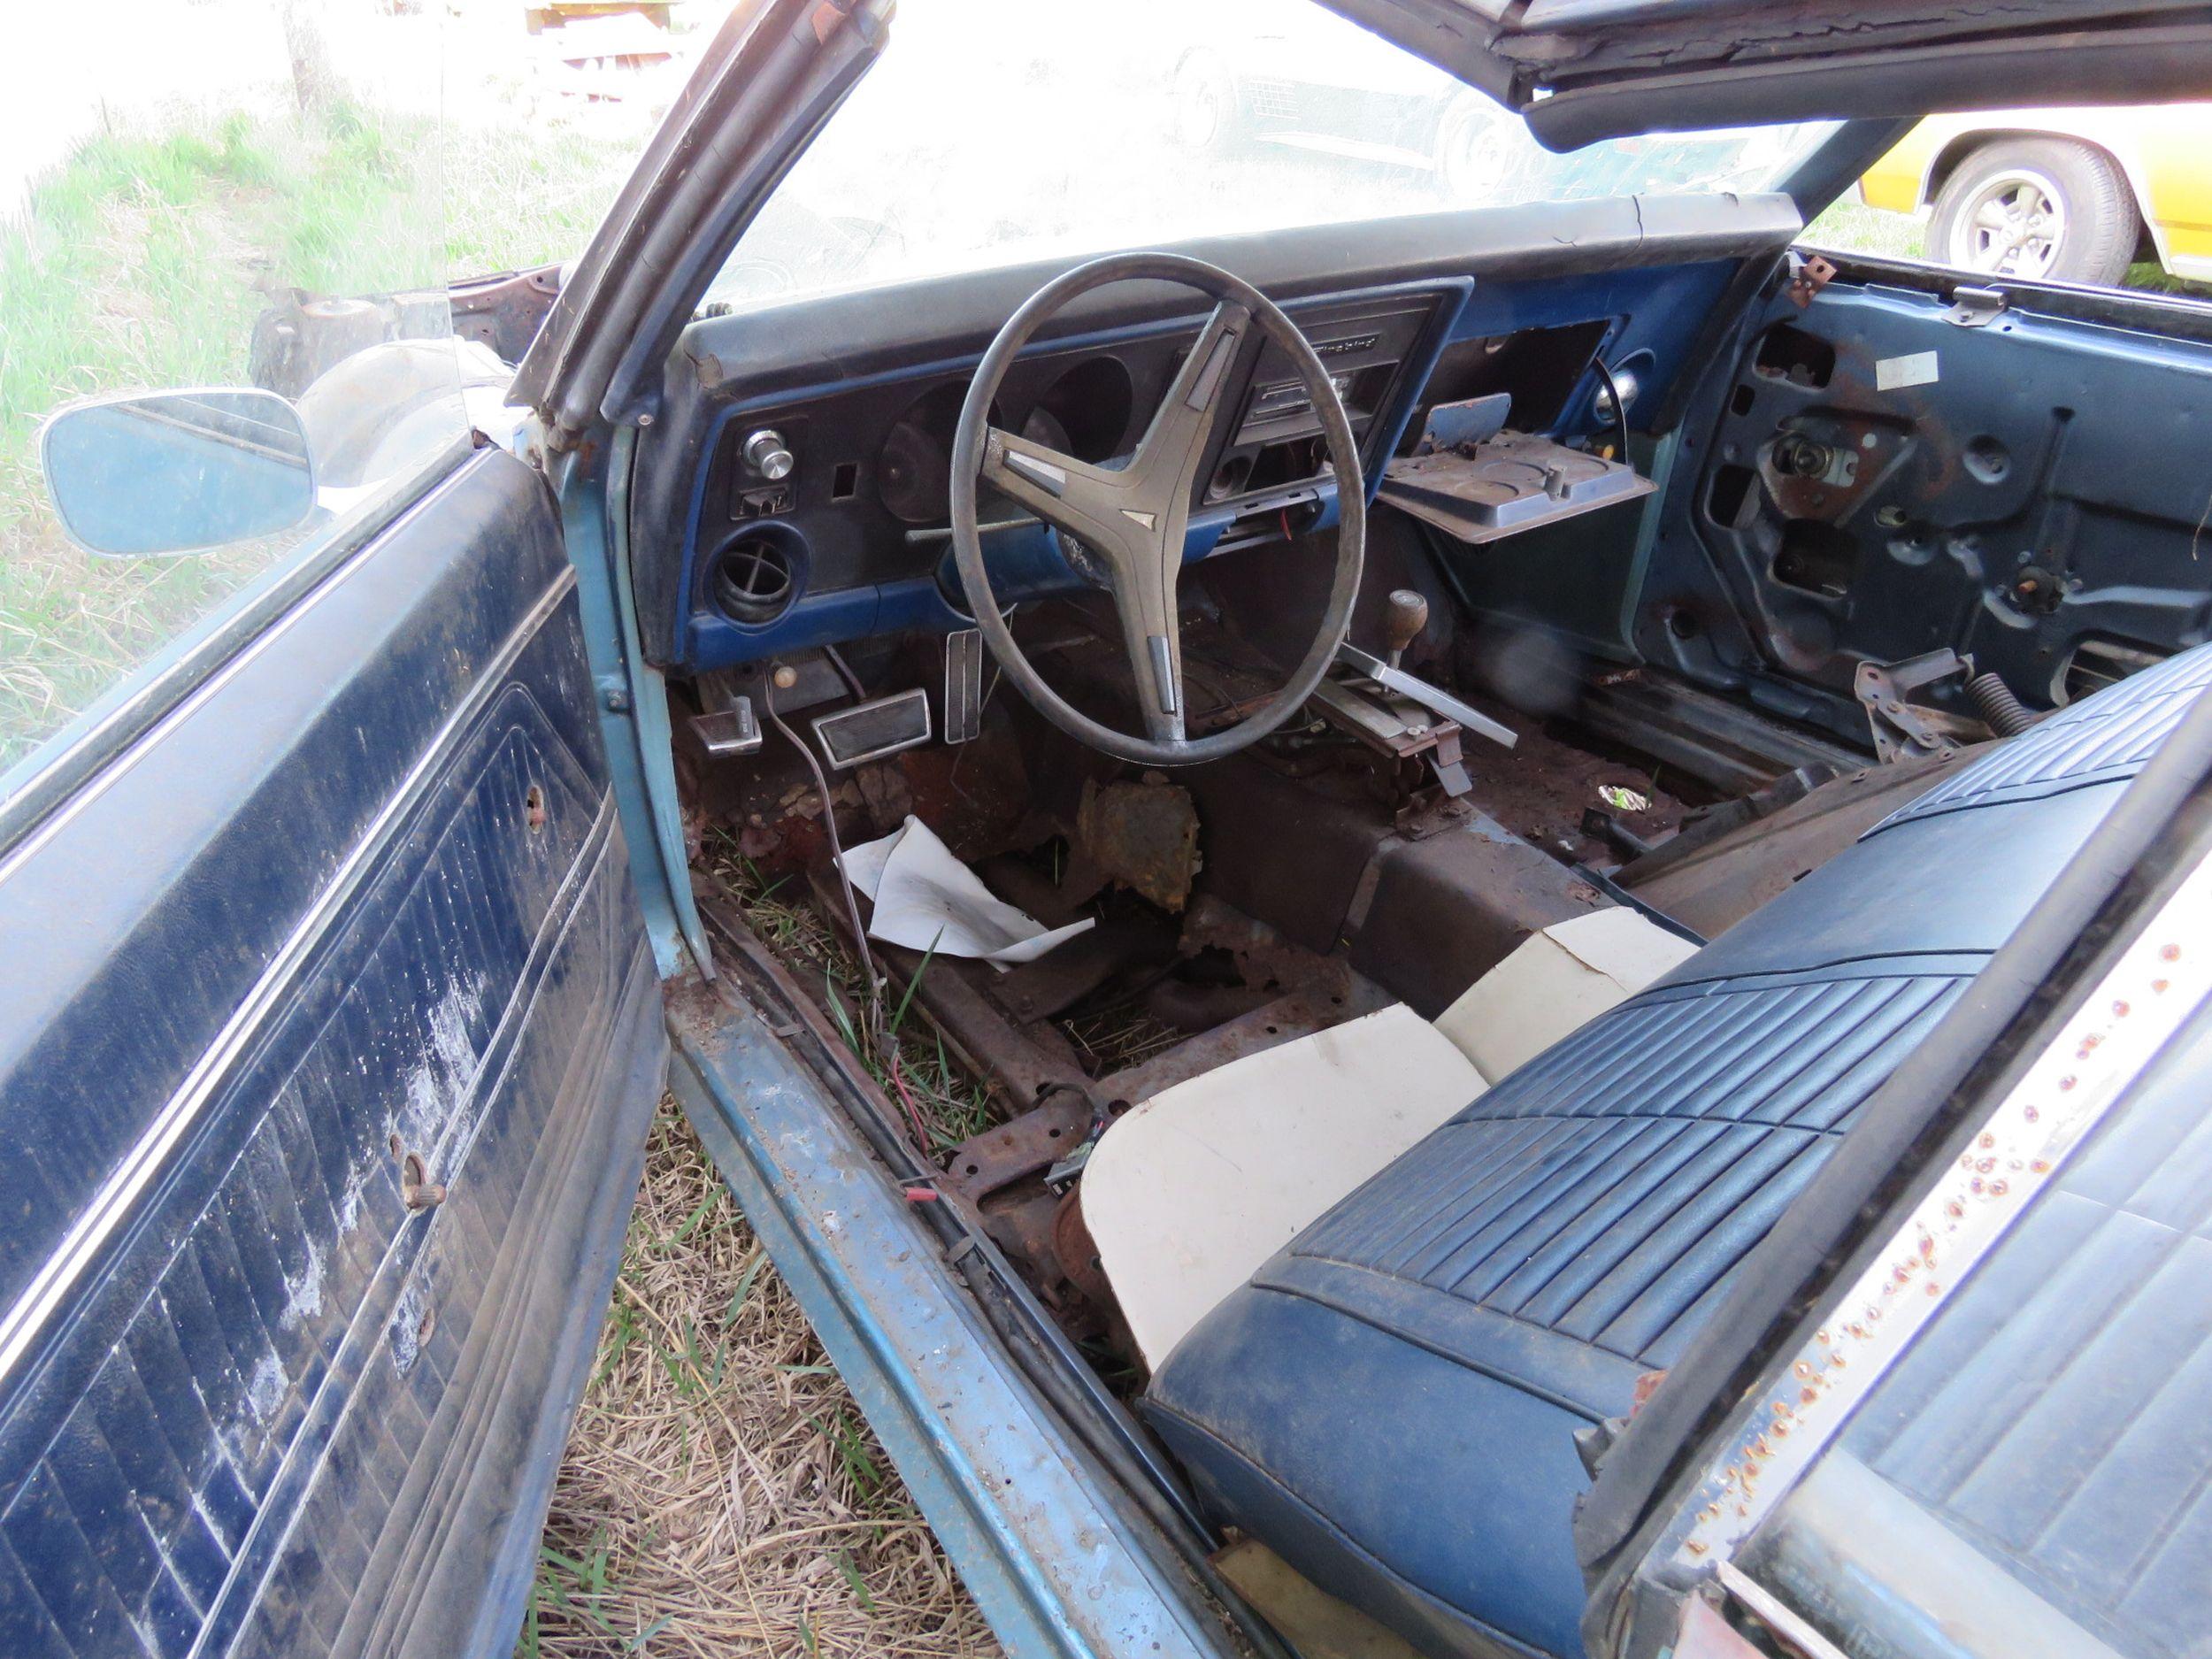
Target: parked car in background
(1256, 84)
(2077, 196)
(1259, 86)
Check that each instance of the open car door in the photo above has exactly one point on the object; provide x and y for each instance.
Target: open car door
(328, 1036)
(330, 1015)
(1584, 70)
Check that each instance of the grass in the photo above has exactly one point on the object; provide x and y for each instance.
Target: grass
(130, 269)
(1850, 227)
(946, 1105)
(721, 1494)
(142, 261)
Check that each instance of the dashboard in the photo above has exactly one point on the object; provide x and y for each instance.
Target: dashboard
(858, 498)
(793, 489)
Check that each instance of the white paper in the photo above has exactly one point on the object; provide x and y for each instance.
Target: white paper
(1895, 374)
(927, 900)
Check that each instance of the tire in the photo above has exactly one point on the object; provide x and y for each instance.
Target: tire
(2037, 208)
(1205, 116)
(1471, 163)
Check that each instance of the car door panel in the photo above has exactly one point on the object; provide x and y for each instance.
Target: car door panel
(1986, 483)
(364, 895)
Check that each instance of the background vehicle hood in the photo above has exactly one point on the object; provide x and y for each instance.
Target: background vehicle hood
(1584, 70)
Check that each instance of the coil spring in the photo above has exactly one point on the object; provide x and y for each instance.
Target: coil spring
(1993, 699)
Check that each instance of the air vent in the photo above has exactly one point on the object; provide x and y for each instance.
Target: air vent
(757, 576)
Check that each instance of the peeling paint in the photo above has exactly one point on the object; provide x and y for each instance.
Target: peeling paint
(264, 1388)
(303, 1292)
(437, 1087)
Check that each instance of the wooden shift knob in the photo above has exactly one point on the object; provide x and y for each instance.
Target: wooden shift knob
(1405, 615)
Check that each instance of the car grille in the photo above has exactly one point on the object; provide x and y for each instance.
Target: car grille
(1273, 100)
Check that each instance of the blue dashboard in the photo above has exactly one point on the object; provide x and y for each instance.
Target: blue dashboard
(861, 393)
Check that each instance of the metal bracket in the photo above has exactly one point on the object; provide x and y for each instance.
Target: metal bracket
(1815, 273)
(731, 731)
(1974, 307)
(1432, 698)
(1902, 732)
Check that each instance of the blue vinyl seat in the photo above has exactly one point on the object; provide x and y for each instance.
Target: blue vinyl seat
(1390, 1402)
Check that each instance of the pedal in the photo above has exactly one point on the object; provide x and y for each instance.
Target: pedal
(726, 732)
(964, 685)
(869, 731)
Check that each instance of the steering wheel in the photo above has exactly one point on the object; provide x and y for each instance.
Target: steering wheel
(1133, 518)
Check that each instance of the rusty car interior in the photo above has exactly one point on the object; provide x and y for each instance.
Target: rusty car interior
(1563, 696)
(1463, 925)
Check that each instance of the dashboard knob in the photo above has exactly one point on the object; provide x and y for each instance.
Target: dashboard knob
(767, 455)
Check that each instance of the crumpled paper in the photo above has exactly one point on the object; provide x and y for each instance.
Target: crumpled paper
(927, 900)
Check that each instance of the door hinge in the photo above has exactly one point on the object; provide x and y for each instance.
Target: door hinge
(1973, 307)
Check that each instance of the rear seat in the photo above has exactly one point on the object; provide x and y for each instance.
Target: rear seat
(1390, 1401)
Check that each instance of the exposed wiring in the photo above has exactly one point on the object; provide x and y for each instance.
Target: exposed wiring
(873, 1011)
(906, 1099)
(852, 681)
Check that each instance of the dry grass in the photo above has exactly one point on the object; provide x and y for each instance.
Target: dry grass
(1110, 1040)
(721, 1494)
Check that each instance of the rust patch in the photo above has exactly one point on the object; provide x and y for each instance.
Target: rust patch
(1141, 835)
(1077, 1252)
(1022, 1146)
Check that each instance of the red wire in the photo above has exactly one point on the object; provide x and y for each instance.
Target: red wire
(1288, 535)
(913, 1112)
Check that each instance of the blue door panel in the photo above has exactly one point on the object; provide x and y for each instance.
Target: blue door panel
(366, 897)
(2040, 448)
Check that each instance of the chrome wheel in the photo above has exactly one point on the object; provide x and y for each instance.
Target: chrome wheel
(1201, 115)
(2014, 224)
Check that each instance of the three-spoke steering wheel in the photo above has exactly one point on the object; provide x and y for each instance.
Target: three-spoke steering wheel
(1134, 518)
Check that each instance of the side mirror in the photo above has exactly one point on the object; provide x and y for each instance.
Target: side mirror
(177, 472)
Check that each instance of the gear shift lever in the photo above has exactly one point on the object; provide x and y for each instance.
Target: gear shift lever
(1407, 614)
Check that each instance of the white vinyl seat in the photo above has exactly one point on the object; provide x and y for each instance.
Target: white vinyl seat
(1188, 1194)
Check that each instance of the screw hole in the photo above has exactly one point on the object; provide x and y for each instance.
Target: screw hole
(534, 808)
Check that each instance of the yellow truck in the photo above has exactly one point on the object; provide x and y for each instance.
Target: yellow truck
(2072, 195)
